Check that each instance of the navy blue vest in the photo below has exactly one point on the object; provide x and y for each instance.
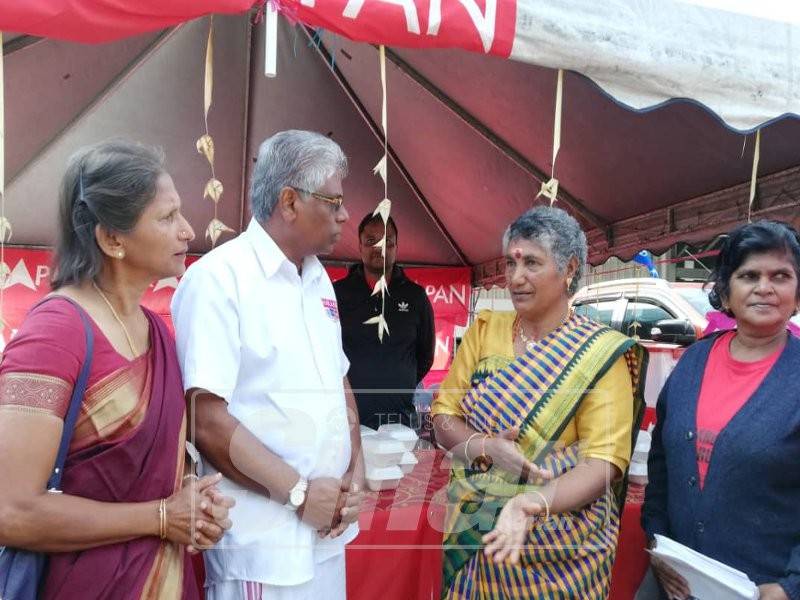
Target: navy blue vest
(748, 513)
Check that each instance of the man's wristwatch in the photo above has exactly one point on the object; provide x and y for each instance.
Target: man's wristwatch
(297, 495)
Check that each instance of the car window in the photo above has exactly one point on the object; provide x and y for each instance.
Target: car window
(697, 297)
(600, 311)
(641, 316)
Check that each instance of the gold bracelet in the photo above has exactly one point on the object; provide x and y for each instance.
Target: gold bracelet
(162, 519)
(164, 534)
(544, 501)
(466, 447)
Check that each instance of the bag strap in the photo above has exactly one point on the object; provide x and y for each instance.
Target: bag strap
(54, 483)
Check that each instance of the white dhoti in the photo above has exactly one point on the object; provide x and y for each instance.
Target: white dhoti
(328, 583)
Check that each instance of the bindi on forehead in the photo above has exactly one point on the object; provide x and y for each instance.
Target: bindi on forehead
(516, 253)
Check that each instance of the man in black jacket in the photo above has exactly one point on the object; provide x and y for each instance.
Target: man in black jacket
(384, 375)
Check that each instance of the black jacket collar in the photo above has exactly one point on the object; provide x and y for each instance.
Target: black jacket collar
(398, 274)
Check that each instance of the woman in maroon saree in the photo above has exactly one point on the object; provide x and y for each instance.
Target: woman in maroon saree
(128, 509)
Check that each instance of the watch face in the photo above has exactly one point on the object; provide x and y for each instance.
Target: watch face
(297, 497)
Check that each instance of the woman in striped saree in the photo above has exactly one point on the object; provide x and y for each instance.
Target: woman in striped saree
(538, 410)
(127, 511)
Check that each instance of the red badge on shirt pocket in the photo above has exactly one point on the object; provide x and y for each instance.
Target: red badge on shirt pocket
(331, 309)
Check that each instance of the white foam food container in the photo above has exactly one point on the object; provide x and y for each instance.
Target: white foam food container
(408, 462)
(642, 447)
(367, 431)
(381, 450)
(638, 473)
(643, 441)
(383, 478)
(401, 433)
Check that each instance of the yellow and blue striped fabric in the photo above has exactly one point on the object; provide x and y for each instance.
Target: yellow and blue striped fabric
(571, 555)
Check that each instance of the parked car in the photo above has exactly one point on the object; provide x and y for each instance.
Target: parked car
(654, 309)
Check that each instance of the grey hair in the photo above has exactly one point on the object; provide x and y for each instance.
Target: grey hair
(107, 184)
(558, 232)
(296, 159)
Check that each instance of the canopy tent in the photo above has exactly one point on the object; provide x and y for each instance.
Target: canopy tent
(470, 133)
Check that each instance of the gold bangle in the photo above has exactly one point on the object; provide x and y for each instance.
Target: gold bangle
(162, 519)
(544, 501)
(466, 447)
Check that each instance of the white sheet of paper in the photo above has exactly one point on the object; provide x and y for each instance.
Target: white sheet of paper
(708, 579)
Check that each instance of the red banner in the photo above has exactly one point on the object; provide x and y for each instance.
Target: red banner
(448, 289)
(93, 21)
(486, 26)
(29, 282)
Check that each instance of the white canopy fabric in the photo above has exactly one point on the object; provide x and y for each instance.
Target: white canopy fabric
(743, 67)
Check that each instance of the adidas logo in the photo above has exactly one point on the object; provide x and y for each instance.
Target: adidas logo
(402, 306)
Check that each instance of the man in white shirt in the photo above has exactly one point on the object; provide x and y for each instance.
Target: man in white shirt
(259, 342)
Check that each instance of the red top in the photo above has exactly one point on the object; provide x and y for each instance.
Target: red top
(727, 385)
(40, 365)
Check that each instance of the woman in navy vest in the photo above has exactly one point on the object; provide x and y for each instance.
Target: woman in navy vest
(723, 468)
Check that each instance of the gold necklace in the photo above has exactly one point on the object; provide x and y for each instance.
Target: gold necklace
(116, 316)
(530, 343)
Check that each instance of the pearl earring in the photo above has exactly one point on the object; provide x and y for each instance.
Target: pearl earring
(120, 254)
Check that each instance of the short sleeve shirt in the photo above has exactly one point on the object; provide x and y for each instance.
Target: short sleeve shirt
(252, 330)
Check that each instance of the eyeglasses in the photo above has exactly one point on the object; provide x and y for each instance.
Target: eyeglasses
(336, 201)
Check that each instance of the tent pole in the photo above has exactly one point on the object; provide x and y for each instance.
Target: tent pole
(495, 140)
(246, 127)
(20, 43)
(376, 130)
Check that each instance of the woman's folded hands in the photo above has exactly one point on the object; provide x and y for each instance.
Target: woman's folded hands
(197, 514)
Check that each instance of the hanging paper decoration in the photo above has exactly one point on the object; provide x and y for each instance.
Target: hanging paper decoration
(205, 144)
(384, 207)
(754, 175)
(549, 188)
(380, 168)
